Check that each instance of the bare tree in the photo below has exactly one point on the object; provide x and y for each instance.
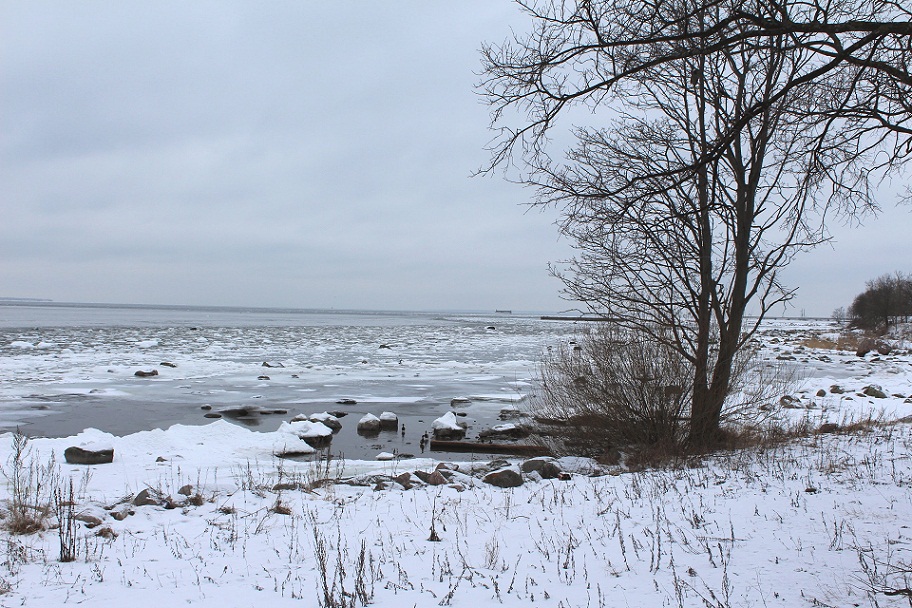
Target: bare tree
(718, 162)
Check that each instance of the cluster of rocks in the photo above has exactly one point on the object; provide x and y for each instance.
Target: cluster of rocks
(371, 425)
(499, 473)
(874, 391)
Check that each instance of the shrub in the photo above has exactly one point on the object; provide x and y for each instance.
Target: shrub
(624, 390)
(31, 489)
(617, 389)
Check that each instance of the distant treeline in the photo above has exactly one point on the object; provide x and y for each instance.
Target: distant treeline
(887, 300)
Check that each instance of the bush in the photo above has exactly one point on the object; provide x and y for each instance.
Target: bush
(622, 390)
(618, 389)
(31, 489)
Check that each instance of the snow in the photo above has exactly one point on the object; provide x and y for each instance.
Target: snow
(822, 521)
(368, 418)
(447, 422)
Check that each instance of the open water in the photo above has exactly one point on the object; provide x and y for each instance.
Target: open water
(66, 367)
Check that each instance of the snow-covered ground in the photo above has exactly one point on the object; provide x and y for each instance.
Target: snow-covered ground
(823, 521)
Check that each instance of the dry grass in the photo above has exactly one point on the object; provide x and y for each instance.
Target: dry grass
(846, 342)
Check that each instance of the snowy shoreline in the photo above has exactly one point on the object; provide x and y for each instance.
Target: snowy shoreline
(819, 521)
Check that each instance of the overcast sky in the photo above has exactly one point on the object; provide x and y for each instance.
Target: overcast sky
(300, 154)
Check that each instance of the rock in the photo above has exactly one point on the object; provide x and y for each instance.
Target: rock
(883, 348)
(212, 415)
(457, 401)
(404, 480)
(206, 407)
(864, 347)
(147, 497)
(78, 455)
(339, 413)
(167, 364)
(385, 346)
(186, 490)
(836, 389)
(873, 390)
(143, 374)
(490, 328)
(787, 401)
(314, 433)
(324, 418)
(88, 519)
(106, 532)
(504, 478)
(434, 478)
(385, 456)
(263, 378)
(268, 364)
(821, 393)
(347, 402)
(447, 428)
(505, 431)
(545, 467)
(389, 421)
(369, 425)
(122, 513)
(828, 427)
(511, 413)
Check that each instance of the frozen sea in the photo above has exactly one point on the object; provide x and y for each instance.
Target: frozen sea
(66, 367)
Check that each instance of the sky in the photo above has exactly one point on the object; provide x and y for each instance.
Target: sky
(289, 154)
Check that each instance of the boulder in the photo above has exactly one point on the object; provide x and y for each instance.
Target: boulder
(457, 401)
(144, 374)
(324, 418)
(314, 434)
(435, 478)
(864, 347)
(404, 480)
(369, 425)
(789, 402)
(389, 421)
(447, 428)
(504, 478)
(545, 467)
(836, 389)
(347, 401)
(873, 390)
(147, 497)
(77, 455)
(167, 364)
(91, 517)
(505, 431)
(821, 393)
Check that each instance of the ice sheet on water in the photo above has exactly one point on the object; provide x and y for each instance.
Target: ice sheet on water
(427, 361)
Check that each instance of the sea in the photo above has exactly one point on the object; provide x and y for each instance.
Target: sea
(65, 367)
